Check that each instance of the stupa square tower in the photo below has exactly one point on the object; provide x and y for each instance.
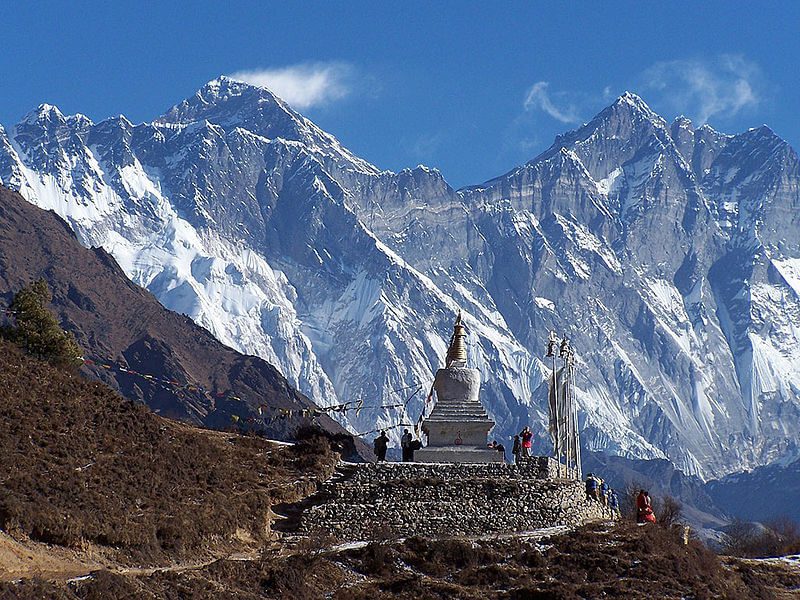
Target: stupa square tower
(458, 426)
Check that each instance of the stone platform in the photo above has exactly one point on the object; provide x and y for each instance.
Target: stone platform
(457, 454)
(403, 499)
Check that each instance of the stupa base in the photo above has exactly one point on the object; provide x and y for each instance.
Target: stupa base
(457, 454)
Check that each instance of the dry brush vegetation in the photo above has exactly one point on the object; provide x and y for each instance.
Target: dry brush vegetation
(79, 464)
(596, 561)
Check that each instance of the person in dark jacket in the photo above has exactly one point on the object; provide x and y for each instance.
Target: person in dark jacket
(413, 447)
(516, 448)
(405, 446)
(380, 445)
(592, 485)
(613, 503)
(604, 492)
(495, 445)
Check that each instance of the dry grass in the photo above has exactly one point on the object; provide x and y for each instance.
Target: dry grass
(624, 561)
(80, 464)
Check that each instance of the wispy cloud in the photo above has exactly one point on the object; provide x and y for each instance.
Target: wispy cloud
(304, 85)
(558, 105)
(421, 147)
(705, 88)
(426, 146)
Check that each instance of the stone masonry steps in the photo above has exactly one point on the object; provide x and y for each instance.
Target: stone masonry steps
(288, 515)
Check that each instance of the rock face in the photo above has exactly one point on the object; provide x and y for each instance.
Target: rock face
(405, 499)
(669, 254)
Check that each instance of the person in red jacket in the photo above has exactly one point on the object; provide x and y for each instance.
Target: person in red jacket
(526, 435)
(644, 508)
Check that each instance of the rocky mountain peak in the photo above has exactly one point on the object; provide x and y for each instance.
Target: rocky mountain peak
(766, 136)
(630, 106)
(615, 135)
(44, 113)
(683, 134)
(242, 213)
(634, 102)
(682, 122)
(230, 102)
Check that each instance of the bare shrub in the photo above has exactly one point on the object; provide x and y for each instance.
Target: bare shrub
(627, 498)
(315, 542)
(738, 538)
(669, 511)
(378, 558)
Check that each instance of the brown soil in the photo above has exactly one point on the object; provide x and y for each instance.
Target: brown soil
(25, 558)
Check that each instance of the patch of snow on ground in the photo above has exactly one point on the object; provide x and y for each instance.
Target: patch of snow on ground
(789, 268)
(349, 546)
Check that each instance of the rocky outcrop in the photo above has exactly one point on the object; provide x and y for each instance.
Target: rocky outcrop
(403, 499)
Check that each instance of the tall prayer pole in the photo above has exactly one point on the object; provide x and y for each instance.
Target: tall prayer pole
(564, 353)
(574, 417)
(553, 403)
(563, 410)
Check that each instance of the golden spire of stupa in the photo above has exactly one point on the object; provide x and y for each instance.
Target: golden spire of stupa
(457, 353)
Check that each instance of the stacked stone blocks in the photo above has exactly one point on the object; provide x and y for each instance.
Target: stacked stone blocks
(439, 499)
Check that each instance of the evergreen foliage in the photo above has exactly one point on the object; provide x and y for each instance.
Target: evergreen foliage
(36, 329)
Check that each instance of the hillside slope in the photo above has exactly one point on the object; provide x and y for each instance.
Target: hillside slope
(100, 498)
(598, 561)
(763, 494)
(115, 320)
(82, 468)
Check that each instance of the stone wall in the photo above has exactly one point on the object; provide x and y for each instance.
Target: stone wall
(404, 499)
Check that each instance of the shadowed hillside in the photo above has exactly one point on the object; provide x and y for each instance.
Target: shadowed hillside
(113, 319)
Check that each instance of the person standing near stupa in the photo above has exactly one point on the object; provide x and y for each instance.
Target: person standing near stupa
(405, 445)
(380, 445)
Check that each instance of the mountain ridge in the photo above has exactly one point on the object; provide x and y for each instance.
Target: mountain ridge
(636, 245)
(115, 320)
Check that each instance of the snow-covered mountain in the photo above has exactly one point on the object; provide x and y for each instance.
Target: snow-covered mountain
(669, 255)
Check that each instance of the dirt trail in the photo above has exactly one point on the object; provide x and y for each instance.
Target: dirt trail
(180, 568)
(28, 559)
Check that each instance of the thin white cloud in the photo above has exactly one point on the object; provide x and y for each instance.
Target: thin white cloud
(718, 87)
(303, 85)
(426, 146)
(539, 98)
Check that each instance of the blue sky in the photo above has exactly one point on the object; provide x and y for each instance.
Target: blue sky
(470, 88)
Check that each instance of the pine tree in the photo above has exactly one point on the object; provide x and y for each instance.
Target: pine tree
(37, 331)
